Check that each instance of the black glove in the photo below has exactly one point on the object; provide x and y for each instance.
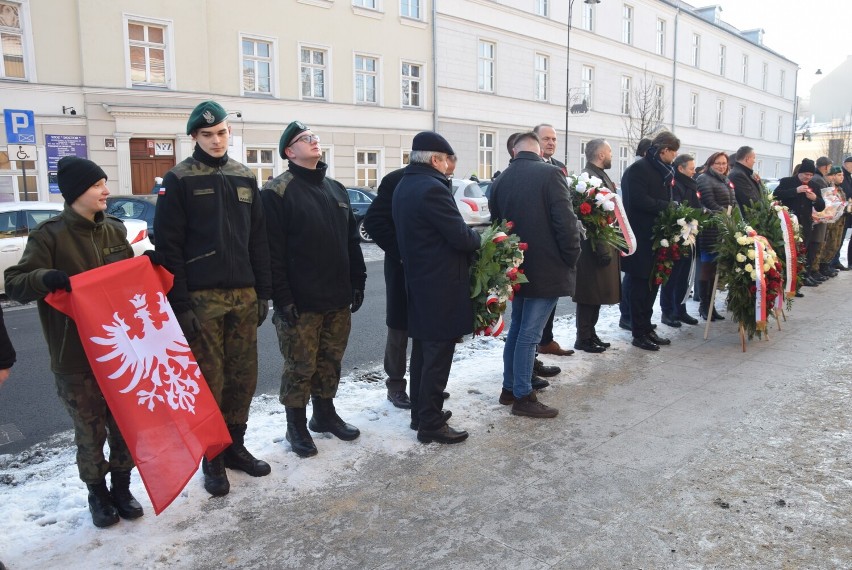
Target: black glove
(262, 311)
(290, 315)
(603, 260)
(189, 324)
(357, 299)
(55, 280)
(156, 257)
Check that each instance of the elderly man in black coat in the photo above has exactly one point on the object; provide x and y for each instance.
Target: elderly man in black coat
(747, 186)
(535, 197)
(436, 246)
(802, 195)
(650, 181)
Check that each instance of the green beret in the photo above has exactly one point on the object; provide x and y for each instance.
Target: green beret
(205, 115)
(293, 129)
(835, 170)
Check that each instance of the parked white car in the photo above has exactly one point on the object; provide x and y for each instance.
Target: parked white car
(471, 202)
(18, 218)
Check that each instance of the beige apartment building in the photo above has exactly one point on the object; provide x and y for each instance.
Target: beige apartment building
(116, 80)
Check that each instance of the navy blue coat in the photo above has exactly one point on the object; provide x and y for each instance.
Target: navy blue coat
(436, 247)
(645, 196)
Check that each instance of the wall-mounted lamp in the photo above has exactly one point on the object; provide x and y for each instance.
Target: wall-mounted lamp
(68, 110)
(237, 114)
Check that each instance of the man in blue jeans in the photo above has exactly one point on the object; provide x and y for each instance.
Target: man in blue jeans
(536, 198)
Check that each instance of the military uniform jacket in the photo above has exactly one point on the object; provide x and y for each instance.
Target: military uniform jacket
(314, 244)
(210, 227)
(436, 247)
(73, 244)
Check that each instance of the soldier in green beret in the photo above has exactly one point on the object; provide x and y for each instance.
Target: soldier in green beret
(210, 229)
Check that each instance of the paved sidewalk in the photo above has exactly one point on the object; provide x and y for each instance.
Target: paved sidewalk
(698, 456)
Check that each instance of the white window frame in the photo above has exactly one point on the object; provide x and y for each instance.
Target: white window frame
(168, 47)
(587, 83)
(741, 120)
(542, 8)
(626, 94)
(659, 101)
(693, 109)
(27, 46)
(745, 69)
(623, 158)
(587, 22)
(375, 75)
(257, 166)
(661, 37)
(758, 166)
(542, 76)
(778, 128)
(764, 80)
(723, 59)
(761, 125)
(272, 60)
(781, 80)
(359, 166)
(486, 154)
(328, 159)
(486, 66)
(627, 24)
(326, 67)
(367, 4)
(421, 81)
(720, 114)
(696, 50)
(406, 5)
(405, 157)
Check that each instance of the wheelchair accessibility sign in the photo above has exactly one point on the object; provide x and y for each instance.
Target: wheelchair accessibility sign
(20, 126)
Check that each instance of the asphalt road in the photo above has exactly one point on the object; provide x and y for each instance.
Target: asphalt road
(30, 412)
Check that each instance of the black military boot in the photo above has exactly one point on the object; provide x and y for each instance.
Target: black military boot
(238, 457)
(297, 432)
(215, 478)
(101, 506)
(125, 503)
(325, 419)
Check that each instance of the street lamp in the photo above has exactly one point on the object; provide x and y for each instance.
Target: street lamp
(568, 71)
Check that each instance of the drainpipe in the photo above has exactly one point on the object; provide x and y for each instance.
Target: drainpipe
(434, 66)
(674, 66)
(795, 117)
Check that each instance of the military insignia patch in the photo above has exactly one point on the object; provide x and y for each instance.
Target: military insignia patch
(208, 116)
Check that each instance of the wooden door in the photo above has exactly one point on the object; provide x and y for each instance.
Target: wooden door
(145, 165)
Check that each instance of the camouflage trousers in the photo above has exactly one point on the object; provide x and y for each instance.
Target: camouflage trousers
(93, 426)
(226, 348)
(833, 239)
(312, 351)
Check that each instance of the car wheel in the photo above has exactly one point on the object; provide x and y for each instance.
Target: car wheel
(365, 237)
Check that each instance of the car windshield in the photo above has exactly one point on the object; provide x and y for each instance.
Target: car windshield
(473, 190)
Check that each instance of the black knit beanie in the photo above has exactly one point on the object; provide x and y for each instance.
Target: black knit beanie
(76, 175)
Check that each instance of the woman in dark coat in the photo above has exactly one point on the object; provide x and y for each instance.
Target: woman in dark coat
(717, 194)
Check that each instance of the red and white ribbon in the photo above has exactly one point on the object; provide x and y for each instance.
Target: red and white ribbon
(790, 254)
(624, 226)
(760, 284)
(496, 328)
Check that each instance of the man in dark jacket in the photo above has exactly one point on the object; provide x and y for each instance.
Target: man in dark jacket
(747, 186)
(599, 268)
(649, 182)
(379, 224)
(847, 189)
(318, 278)
(210, 230)
(673, 292)
(535, 197)
(435, 245)
(801, 195)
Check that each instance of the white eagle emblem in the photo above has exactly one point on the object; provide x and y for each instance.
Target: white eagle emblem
(159, 356)
(208, 116)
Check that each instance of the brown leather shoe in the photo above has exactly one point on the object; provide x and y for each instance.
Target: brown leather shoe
(553, 348)
(530, 407)
(506, 397)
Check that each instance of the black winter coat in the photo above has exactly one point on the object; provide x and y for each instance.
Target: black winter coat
(686, 191)
(436, 247)
(536, 198)
(799, 204)
(747, 190)
(645, 196)
(717, 193)
(379, 224)
(7, 351)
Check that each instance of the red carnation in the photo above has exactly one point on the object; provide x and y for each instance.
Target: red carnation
(510, 226)
(523, 246)
(512, 274)
(521, 271)
(658, 280)
(660, 267)
(516, 287)
(585, 208)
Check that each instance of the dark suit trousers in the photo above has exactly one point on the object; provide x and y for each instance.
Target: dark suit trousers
(624, 305)
(396, 347)
(587, 318)
(547, 333)
(430, 368)
(642, 298)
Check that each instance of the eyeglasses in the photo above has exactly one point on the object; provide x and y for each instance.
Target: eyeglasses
(310, 139)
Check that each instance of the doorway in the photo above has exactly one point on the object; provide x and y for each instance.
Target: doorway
(150, 158)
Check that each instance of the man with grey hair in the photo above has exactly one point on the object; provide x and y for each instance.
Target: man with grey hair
(435, 245)
(598, 269)
(747, 186)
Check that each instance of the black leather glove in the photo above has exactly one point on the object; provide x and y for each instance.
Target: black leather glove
(55, 280)
(262, 311)
(603, 260)
(357, 299)
(189, 324)
(156, 257)
(290, 314)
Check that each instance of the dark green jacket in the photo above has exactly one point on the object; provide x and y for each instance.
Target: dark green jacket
(210, 227)
(73, 244)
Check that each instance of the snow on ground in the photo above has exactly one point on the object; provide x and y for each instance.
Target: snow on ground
(44, 517)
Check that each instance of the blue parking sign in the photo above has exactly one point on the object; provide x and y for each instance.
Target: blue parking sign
(20, 126)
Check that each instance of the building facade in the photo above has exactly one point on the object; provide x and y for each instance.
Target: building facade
(116, 81)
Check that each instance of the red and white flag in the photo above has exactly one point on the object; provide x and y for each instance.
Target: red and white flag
(146, 371)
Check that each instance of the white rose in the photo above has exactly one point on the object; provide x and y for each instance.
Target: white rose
(681, 222)
(749, 267)
(581, 186)
(595, 181)
(608, 206)
(766, 267)
(584, 177)
(742, 240)
(741, 257)
(754, 275)
(738, 235)
(664, 242)
(750, 254)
